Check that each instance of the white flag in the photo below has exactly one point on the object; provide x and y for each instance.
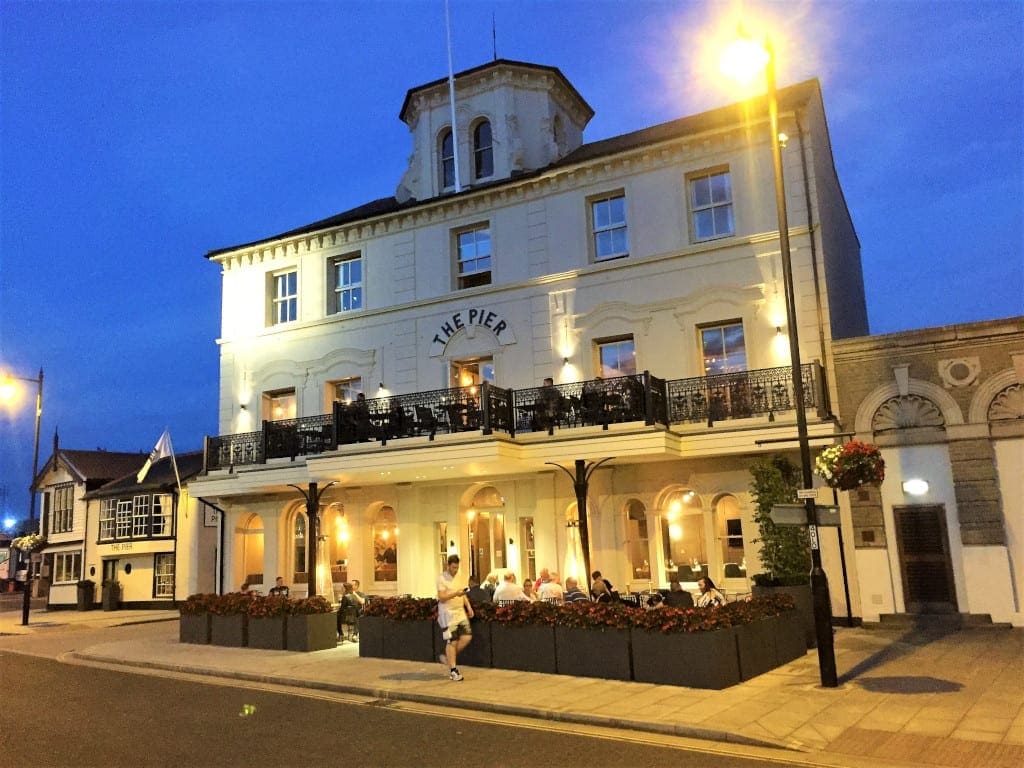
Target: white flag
(162, 449)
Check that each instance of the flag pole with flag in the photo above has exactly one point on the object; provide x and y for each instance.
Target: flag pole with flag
(161, 450)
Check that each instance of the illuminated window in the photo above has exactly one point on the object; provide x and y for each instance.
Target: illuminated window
(617, 357)
(124, 519)
(711, 205)
(300, 541)
(163, 575)
(346, 279)
(447, 160)
(108, 514)
(682, 531)
(608, 218)
(345, 390)
(471, 372)
(483, 152)
(385, 545)
(723, 348)
(279, 405)
(637, 540)
(284, 297)
(473, 256)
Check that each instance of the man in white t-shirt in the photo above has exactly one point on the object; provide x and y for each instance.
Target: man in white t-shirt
(552, 590)
(453, 614)
(508, 589)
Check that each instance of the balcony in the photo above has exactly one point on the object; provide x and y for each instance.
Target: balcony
(700, 402)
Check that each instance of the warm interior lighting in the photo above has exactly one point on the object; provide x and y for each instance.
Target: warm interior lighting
(675, 531)
(744, 59)
(385, 534)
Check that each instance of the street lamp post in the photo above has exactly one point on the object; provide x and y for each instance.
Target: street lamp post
(26, 598)
(746, 50)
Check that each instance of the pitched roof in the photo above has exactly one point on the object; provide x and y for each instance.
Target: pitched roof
(738, 113)
(94, 467)
(160, 476)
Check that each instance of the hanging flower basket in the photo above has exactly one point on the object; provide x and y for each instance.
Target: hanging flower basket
(850, 466)
(33, 542)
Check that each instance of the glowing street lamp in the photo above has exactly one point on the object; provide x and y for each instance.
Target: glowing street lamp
(8, 394)
(744, 60)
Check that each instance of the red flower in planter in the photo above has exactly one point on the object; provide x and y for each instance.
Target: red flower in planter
(307, 605)
(198, 604)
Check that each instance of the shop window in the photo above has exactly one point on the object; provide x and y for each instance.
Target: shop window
(385, 545)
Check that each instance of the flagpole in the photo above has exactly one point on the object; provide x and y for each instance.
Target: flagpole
(451, 96)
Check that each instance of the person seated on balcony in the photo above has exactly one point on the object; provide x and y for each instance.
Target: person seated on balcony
(709, 594)
(361, 416)
(396, 419)
(508, 589)
(573, 593)
(552, 590)
(548, 406)
(677, 596)
(592, 400)
(280, 588)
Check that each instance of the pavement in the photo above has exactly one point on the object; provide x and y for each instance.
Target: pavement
(906, 697)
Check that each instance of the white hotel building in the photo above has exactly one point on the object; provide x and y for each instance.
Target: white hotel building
(649, 259)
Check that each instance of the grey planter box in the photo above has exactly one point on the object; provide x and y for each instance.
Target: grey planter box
(790, 640)
(194, 629)
(312, 632)
(530, 649)
(804, 602)
(229, 630)
(593, 652)
(409, 640)
(371, 636)
(267, 632)
(691, 659)
(755, 643)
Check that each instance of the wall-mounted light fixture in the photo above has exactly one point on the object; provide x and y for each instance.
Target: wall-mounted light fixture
(243, 407)
(511, 543)
(915, 486)
(380, 384)
(565, 361)
(778, 330)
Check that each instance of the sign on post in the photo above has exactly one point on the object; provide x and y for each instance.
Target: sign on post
(788, 514)
(807, 493)
(828, 514)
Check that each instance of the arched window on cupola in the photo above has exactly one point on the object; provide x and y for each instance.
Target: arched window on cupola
(447, 152)
(483, 150)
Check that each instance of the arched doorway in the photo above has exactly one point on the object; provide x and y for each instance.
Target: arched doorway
(300, 547)
(638, 545)
(729, 536)
(682, 533)
(249, 542)
(485, 527)
(334, 527)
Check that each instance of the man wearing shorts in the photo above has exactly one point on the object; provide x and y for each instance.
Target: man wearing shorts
(453, 613)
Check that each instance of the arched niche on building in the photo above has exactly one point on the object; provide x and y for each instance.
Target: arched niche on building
(334, 527)
(637, 540)
(482, 512)
(684, 541)
(249, 544)
(384, 539)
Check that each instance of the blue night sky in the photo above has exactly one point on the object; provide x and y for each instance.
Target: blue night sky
(137, 136)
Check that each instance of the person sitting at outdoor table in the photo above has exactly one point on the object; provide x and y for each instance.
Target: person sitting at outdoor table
(348, 612)
(280, 588)
(677, 596)
(549, 405)
(709, 594)
(491, 583)
(592, 400)
(245, 589)
(508, 589)
(357, 590)
(601, 590)
(655, 602)
(552, 590)
(477, 594)
(573, 593)
(528, 591)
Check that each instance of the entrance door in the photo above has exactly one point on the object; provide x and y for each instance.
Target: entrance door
(110, 570)
(486, 543)
(925, 562)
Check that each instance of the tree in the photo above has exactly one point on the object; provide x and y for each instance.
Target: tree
(785, 550)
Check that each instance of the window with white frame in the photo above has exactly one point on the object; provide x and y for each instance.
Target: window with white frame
(447, 152)
(617, 357)
(67, 567)
(163, 575)
(483, 151)
(723, 348)
(140, 516)
(124, 519)
(62, 500)
(284, 297)
(711, 205)
(162, 508)
(345, 390)
(346, 280)
(108, 515)
(608, 217)
(473, 254)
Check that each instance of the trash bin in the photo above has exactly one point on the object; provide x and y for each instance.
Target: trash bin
(86, 594)
(111, 595)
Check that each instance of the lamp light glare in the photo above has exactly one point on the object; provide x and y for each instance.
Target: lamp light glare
(915, 486)
(743, 60)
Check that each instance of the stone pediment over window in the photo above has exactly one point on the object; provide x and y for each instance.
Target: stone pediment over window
(1007, 404)
(906, 412)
